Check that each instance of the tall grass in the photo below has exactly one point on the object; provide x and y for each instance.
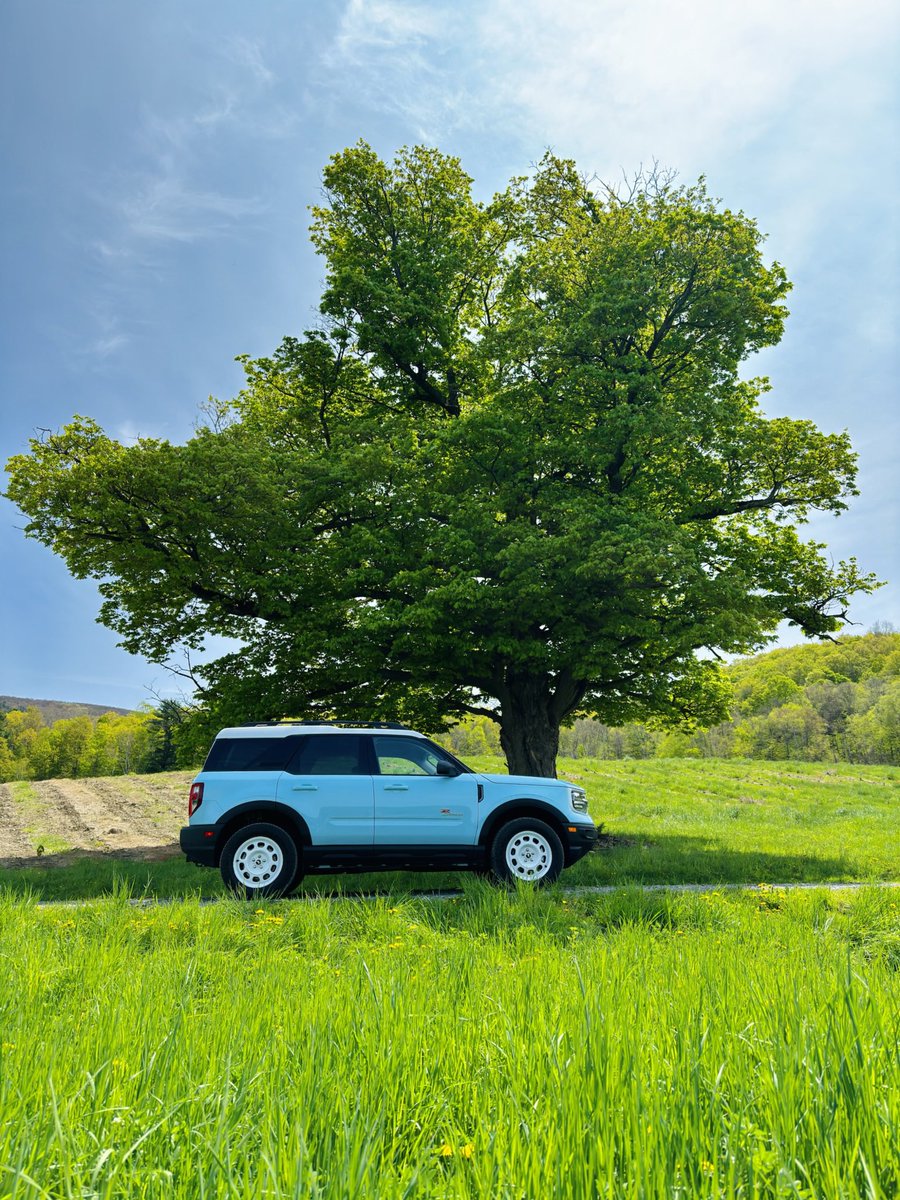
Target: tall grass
(505, 1046)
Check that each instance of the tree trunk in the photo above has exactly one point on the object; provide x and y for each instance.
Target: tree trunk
(529, 727)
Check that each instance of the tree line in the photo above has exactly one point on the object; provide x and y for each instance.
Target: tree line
(837, 701)
(159, 739)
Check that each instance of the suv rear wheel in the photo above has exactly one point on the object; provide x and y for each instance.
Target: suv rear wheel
(260, 860)
(527, 849)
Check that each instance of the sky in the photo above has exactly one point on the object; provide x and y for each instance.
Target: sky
(159, 160)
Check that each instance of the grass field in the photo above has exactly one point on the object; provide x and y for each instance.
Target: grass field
(502, 1045)
(509, 1046)
(675, 821)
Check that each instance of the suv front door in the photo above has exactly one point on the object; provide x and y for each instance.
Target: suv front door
(414, 806)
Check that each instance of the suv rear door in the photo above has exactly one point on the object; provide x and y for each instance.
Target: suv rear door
(329, 782)
(414, 806)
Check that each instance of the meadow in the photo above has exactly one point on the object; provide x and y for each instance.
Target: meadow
(666, 821)
(502, 1045)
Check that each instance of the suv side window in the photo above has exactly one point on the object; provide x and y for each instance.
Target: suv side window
(250, 754)
(406, 756)
(329, 754)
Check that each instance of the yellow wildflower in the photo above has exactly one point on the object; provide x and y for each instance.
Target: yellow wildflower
(446, 1151)
(466, 1150)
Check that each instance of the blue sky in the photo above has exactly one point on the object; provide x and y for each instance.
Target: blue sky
(159, 160)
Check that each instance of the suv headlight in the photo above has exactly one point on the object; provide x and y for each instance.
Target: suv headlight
(578, 797)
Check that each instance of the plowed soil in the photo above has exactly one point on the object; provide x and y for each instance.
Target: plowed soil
(57, 820)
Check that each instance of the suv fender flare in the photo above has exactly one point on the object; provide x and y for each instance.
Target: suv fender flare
(262, 810)
(522, 807)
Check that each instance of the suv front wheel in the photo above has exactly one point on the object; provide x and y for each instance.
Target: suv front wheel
(527, 849)
(260, 860)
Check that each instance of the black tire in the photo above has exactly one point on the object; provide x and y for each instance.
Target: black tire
(527, 849)
(260, 860)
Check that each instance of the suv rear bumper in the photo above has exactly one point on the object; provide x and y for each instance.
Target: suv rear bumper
(198, 844)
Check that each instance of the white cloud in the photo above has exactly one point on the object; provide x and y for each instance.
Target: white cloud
(166, 209)
(176, 191)
(368, 25)
(613, 81)
(684, 82)
(168, 197)
(249, 54)
(403, 58)
(103, 347)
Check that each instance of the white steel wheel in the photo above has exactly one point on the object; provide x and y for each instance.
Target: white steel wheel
(260, 860)
(528, 856)
(527, 849)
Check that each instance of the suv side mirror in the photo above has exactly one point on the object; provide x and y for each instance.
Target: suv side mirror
(445, 768)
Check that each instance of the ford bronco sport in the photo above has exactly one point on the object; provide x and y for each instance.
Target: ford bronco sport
(279, 800)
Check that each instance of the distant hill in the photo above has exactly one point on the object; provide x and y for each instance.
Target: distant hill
(58, 710)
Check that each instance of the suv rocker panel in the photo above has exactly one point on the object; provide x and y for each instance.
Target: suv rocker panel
(357, 860)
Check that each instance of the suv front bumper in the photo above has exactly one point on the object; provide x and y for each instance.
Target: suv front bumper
(579, 841)
(198, 844)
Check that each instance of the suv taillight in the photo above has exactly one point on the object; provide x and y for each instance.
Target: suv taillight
(195, 799)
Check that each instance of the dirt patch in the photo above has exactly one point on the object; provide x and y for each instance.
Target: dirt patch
(14, 841)
(67, 858)
(130, 816)
(609, 841)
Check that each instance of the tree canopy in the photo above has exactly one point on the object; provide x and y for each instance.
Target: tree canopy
(515, 471)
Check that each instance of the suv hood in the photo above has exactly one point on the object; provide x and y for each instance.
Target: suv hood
(523, 780)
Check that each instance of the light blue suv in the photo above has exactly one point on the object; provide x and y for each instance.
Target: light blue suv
(283, 799)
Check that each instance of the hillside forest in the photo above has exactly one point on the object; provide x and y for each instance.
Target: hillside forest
(832, 702)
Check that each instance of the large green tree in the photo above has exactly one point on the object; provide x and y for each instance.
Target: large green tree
(516, 471)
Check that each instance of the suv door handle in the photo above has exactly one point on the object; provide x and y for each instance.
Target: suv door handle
(396, 787)
(304, 787)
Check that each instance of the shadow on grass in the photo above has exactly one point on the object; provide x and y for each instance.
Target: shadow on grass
(158, 871)
(626, 860)
(682, 858)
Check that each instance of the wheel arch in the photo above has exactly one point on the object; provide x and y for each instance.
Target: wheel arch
(511, 810)
(262, 810)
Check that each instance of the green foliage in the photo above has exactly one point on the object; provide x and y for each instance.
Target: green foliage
(516, 474)
(113, 744)
(471, 736)
(837, 701)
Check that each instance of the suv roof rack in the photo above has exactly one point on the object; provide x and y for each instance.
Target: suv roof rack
(339, 724)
